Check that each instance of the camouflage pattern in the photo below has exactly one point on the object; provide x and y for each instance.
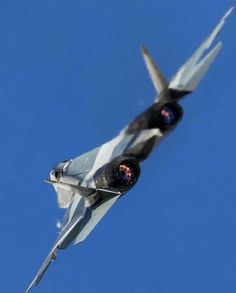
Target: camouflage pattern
(75, 180)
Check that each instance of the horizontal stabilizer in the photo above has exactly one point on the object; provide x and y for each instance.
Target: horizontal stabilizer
(65, 191)
(97, 215)
(191, 73)
(156, 76)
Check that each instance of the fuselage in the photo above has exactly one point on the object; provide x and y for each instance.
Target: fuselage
(137, 140)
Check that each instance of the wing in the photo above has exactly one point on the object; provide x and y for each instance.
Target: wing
(77, 206)
(78, 222)
(191, 73)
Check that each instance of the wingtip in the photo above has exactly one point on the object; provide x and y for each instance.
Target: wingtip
(28, 289)
(33, 283)
(143, 50)
(229, 11)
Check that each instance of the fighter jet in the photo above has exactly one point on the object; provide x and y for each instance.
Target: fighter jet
(87, 186)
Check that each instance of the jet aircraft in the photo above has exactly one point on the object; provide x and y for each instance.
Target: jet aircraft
(87, 186)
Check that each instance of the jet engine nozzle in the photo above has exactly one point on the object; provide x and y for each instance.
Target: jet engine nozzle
(166, 116)
(121, 174)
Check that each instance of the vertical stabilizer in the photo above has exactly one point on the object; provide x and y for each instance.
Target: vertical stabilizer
(192, 72)
(158, 80)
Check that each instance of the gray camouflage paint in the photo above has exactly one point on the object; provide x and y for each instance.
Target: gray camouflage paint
(75, 185)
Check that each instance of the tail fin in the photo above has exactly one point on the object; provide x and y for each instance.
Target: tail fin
(191, 73)
(157, 78)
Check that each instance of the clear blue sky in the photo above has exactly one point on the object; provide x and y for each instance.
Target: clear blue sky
(71, 75)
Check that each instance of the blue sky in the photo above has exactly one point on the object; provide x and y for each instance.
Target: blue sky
(71, 75)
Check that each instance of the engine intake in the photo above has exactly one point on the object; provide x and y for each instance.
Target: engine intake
(121, 174)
